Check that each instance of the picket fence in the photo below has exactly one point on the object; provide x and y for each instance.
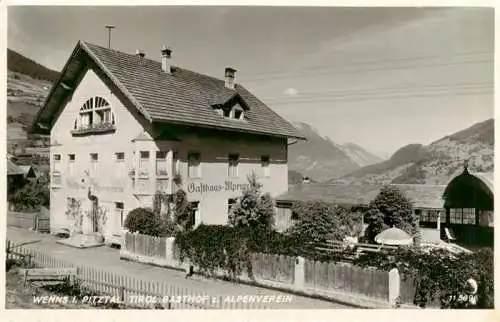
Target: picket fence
(323, 276)
(38, 221)
(124, 288)
(284, 272)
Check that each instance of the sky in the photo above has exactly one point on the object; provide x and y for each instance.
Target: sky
(378, 77)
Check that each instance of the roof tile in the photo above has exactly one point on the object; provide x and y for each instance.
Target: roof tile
(422, 196)
(186, 96)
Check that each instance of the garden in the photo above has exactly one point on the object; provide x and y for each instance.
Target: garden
(437, 275)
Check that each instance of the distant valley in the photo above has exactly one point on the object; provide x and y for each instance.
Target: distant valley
(435, 163)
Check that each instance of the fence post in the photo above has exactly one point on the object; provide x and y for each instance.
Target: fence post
(394, 287)
(299, 280)
(169, 248)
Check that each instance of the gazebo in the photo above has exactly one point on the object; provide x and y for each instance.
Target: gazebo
(468, 202)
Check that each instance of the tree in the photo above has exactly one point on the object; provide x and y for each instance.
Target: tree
(390, 208)
(30, 197)
(318, 221)
(253, 209)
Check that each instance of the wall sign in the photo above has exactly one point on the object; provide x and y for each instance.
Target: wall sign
(199, 187)
(72, 184)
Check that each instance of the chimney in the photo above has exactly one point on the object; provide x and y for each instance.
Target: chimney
(139, 53)
(229, 74)
(165, 59)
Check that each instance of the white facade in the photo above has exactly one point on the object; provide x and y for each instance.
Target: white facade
(121, 169)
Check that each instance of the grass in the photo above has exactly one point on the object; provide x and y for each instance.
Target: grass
(21, 296)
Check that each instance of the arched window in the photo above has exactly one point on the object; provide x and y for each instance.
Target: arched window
(95, 114)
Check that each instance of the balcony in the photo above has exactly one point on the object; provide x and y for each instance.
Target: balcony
(99, 128)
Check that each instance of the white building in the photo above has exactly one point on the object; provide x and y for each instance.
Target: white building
(123, 126)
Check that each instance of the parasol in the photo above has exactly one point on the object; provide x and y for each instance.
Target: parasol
(394, 236)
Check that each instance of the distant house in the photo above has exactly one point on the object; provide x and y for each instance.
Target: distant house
(464, 206)
(469, 208)
(31, 173)
(427, 199)
(15, 177)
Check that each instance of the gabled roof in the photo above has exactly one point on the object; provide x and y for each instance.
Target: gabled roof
(487, 178)
(182, 97)
(25, 168)
(422, 196)
(13, 169)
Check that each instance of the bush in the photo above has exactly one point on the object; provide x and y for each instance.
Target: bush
(218, 247)
(145, 221)
(11, 263)
(440, 274)
(31, 197)
(213, 247)
(253, 209)
(319, 221)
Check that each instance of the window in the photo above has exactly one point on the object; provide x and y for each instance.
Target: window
(233, 165)
(57, 163)
(194, 206)
(144, 163)
(96, 111)
(428, 215)
(70, 202)
(177, 162)
(94, 159)
(236, 112)
(71, 164)
(161, 163)
(119, 211)
(466, 216)
(120, 164)
(264, 162)
(230, 203)
(469, 216)
(194, 170)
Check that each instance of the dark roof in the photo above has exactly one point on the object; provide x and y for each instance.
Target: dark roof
(422, 196)
(182, 97)
(13, 169)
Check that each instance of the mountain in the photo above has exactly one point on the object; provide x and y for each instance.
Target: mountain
(28, 84)
(23, 65)
(318, 157)
(435, 163)
(359, 155)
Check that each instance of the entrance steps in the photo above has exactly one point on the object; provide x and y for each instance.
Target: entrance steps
(83, 240)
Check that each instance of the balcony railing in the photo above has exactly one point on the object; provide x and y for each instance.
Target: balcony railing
(56, 178)
(142, 186)
(94, 128)
(162, 185)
